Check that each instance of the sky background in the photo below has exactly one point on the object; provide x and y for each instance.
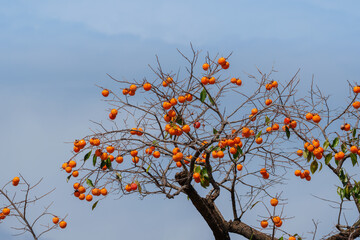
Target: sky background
(53, 53)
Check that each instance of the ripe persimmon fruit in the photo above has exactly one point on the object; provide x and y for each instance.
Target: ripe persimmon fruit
(274, 202)
(62, 224)
(55, 220)
(105, 92)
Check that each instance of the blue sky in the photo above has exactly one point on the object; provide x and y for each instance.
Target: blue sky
(53, 53)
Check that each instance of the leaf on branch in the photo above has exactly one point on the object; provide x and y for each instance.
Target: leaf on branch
(335, 142)
(68, 178)
(179, 120)
(238, 152)
(138, 185)
(305, 153)
(353, 158)
(326, 144)
(343, 148)
(314, 166)
(287, 132)
(309, 156)
(347, 192)
(203, 95)
(211, 100)
(204, 182)
(148, 168)
(328, 158)
(258, 134)
(89, 182)
(102, 164)
(94, 160)
(94, 205)
(354, 132)
(215, 131)
(321, 165)
(340, 192)
(204, 173)
(267, 120)
(86, 157)
(108, 164)
(197, 169)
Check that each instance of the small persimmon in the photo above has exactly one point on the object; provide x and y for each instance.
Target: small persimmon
(205, 66)
(105, 92)
(156, 154)
(264, 223)
(62, 224)
(274, 202)
(55, 220)
(239, 167)
(268, 102)
(147, 86)
(103, 191)
(89, 198)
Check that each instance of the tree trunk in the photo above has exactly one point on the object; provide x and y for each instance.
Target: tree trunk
(207, 209)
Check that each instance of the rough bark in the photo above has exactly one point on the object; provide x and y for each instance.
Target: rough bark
(206, 208)
(247, 231)
(219, 226)
(346, 235)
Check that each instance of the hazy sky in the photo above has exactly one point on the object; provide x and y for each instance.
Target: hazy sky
(52, 53)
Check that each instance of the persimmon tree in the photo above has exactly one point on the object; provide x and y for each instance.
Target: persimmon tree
(204, 134)
(16, 201)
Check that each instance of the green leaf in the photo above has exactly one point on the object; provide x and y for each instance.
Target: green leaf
(89, 182)
(328, 157)
(326, 144)
(321, 165)
(287, 132)
(102, 164)
(354, 132)
(314, 166)
(138, 185)
(353, 158)
(258, 134)
(267, 120)
(148, 168)
(343, 177)
(281, 238)
(305, 153)
(204, 173)
(347, 193)
(179, 120)
(203, 95)
(94, 205)
(108, 164)
(68, 178)
(197, 169)
(309, 156)
(335, 142)
(215, 131)
(238, 152)
(204, 182)
(86, 157)
(211, 100)
(343, 148)
(94, 160)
